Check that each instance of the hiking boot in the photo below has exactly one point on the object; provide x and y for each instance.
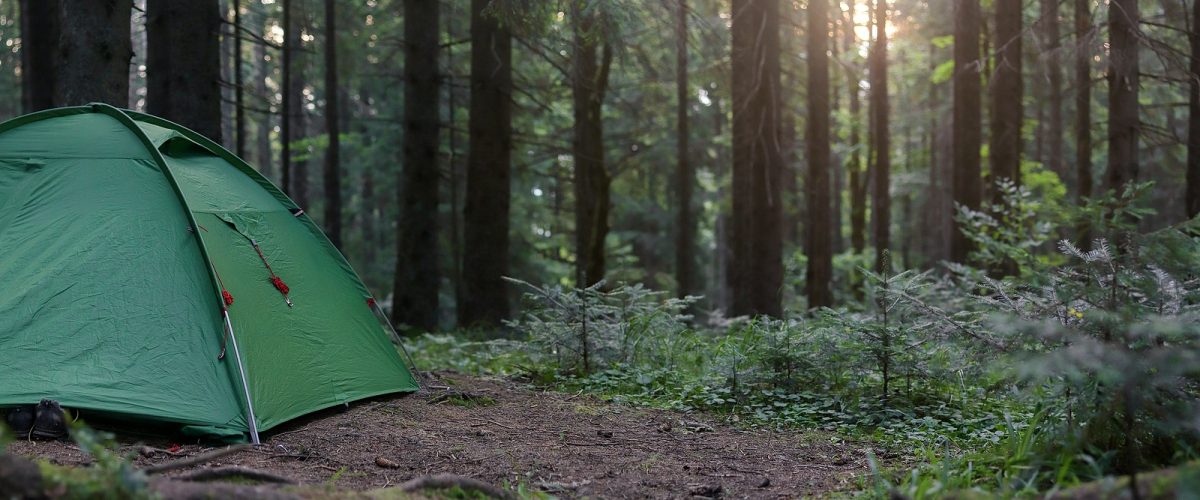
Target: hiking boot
(20, 420)
(49, 421)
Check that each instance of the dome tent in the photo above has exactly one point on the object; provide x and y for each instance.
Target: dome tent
(133, 251)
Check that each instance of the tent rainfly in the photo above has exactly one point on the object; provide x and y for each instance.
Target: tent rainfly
(148, 274)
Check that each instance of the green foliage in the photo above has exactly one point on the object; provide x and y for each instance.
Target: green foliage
(942, 73)
(1007, 232)
(582, 328)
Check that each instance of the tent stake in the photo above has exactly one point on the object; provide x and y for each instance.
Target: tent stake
(242, 371)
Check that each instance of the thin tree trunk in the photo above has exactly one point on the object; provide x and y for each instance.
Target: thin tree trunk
(819, 248)
(239, 85)
(226, 33)
(723, 256)
(757, 272)
(1122, 95)
(685, 251)
(858, 182)
(1005, 139)
(39, 44)
(285, 120)
(264, 126)
(592, 182)
(1083, 105)
(881, 201)
(489, 164)
(297, 115)
(1193, 143)
(836, 161)
(183, 64)
(415, 301)
(94, 51)
(333, 174)
(967, 121)
(1054, 130)
(452, 166)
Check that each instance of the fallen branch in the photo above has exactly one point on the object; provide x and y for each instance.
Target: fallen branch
(231, 472)
(446, 481)
(196, 460)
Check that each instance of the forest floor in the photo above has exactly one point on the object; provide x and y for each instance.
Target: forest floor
(511, 435)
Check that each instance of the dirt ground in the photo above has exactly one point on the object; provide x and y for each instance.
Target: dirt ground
(506, 434)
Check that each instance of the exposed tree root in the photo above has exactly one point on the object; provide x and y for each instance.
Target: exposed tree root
(444, 481)
(218, 473)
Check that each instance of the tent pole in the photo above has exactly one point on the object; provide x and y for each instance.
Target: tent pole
(396, 337)
(242, 371)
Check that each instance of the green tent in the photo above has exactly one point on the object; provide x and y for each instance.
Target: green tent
(123, 238)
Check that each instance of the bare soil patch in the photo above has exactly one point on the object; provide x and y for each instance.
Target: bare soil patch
(505, 433)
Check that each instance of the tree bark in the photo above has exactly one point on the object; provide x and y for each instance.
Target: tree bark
(333, 166)
(415, 301)
(967, 120)
(489, 164)
(757, 265)
(881, 200)
(286, 101)
(1054, 129)
(264, 126)
(685, 236)
(858, 182)
(183, 64)
(819, 248)
(1083, 100)
(1193, 143)
(1122, 95)
(94, 51)
(39, 44)
(1005, 138)
(592, 182)
(297, 114)
(239, 85)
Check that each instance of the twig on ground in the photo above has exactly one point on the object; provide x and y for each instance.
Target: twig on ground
(445, 481)
(228, 472)
(493, 422)
(196, 460)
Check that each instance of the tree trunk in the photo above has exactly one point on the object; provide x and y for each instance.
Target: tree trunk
(415, 302)
(757, 264)
(1122, 95)
(1193, 144)
(297, 114)
(819, 247)
(489, 164)
(1083, 104)
(286, 100)
(1005, 139)
(94, 51)
(858, 181)
(333, 175)
(263, 127)
(183, 64)
(39, 44)
(685, 236)
(239, 85)
(592, 182)
(1054, 129)
(967, 121)
(881, 199)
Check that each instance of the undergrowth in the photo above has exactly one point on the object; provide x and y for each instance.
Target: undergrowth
(1079, 364)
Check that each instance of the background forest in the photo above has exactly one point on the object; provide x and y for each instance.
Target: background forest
(958, 227)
